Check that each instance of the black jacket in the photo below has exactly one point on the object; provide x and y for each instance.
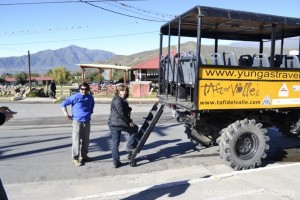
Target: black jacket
(119, 113)
(2, 118)
(52, 86)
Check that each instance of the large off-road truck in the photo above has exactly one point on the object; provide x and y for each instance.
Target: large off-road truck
(229, 98)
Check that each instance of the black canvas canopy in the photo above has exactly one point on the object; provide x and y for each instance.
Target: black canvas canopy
(217, 23)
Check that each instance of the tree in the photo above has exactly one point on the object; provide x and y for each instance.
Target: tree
(35, 75)
(21, 78)
(93, 76)
(75, 77)
(60, 75)
(118, 74)
(49, 72)
(6, 75)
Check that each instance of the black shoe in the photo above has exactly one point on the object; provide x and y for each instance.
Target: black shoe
(119, 164)
(86, 159)
(129, 155)
(294, 131)
(296, 128)
(130, 150)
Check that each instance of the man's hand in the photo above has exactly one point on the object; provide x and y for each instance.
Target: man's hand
(8, 116)
(8, 113)
(69, 117)
(65, 111)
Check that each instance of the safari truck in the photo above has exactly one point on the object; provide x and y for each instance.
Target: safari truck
(225, 98)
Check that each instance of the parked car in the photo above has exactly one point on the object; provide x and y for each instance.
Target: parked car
(73, 91)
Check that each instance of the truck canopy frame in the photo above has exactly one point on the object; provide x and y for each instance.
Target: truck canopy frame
(231, 25)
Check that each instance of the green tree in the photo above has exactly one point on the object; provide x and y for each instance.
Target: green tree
(93, 76)
(2, 80)
(75, 77)
(60, 74)
(49, 72)
(35, 75)
(21, 78)
(118, 74)
(6, 75)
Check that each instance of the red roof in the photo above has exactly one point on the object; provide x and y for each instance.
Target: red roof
(10, 79)
(42, 78)
(149, 64)
(45, 78)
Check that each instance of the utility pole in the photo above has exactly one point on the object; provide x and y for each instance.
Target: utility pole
(29, 72)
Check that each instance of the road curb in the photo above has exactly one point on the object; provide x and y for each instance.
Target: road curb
(97, 100)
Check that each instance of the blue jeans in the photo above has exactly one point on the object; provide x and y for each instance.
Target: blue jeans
(116, 136)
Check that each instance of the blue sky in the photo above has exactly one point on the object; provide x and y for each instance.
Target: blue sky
(42, 26)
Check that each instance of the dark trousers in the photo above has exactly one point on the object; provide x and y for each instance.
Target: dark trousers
(54, 93)
(116, 136)
(2, 192)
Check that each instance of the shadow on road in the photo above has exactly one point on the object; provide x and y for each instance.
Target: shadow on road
(281, 148)
(103, 144)
(168, 152)
(31, 152)
(170, 189)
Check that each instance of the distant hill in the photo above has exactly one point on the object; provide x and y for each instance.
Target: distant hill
(206, 51)
(44, 60)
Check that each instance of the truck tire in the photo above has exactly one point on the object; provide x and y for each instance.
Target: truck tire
(243, 144)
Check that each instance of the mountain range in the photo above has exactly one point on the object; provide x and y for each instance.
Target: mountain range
(43, 61)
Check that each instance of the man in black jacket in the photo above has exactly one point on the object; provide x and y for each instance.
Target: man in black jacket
(119, 120)
(53, 89)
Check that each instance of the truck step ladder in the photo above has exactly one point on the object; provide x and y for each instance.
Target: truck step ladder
(145, 130)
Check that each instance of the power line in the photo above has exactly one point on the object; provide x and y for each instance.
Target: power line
(130, 10)
(48, 29)
(56, 2)
(121, 13)
(89, 38)
(85, 1)
(144, 10)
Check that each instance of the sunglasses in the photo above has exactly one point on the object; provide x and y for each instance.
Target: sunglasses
(85, 89)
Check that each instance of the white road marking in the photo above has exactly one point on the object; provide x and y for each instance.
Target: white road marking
(178, 183)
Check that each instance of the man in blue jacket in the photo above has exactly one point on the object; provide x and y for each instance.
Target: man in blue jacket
(82, 108)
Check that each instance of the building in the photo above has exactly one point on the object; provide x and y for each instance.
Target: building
(294, 52)
(44, 80)
(147, 71)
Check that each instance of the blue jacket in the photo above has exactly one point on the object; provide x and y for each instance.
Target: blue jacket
(82, 106)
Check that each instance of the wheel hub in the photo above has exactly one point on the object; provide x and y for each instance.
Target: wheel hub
(246, 146)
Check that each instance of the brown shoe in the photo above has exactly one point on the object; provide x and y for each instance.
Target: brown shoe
(76, 162)
(87, 159)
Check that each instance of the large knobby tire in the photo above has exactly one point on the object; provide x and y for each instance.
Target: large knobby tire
(243, 144)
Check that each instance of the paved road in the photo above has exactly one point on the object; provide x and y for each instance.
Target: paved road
(35, 161)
